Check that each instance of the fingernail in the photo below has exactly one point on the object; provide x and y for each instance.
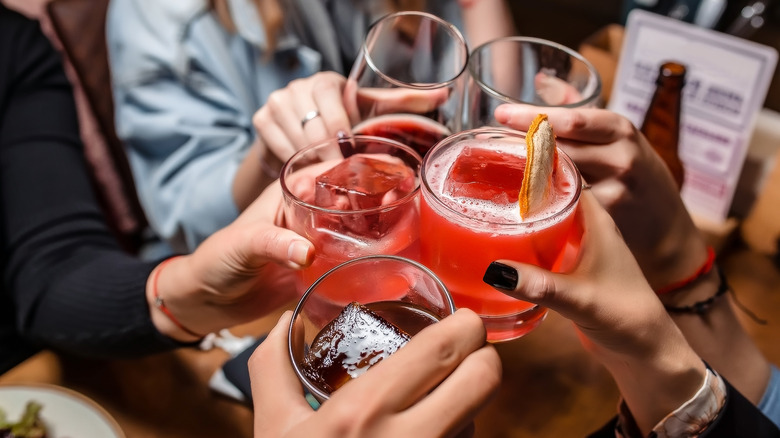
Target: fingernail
(298, 253)
(501, 114)
(501, 276)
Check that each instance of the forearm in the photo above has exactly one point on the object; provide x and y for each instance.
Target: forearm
(254, 174)
(94, 305)
(485, 20)
(719, 338)
(655, 385)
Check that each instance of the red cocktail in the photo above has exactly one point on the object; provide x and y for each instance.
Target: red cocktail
(418, 132)
(470, 217)
(352, 197)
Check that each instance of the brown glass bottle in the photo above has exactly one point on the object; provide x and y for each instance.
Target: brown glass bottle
(662, 120)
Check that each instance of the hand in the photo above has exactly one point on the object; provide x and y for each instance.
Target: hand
(630, 181)
(278, 122)
(364, 103)
(555, 91)
(433, 386)
(240, 273)
(281, 130)
(621, 320)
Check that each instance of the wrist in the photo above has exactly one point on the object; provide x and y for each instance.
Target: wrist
(674, 261)
(257, 170)
(169, 293)
(705, 289)
(676, 368)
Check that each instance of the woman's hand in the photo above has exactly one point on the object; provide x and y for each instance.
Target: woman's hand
(304, 112)
(432, 387)
(279, 123)
(621, 320)
(630, 181)
(240, 273)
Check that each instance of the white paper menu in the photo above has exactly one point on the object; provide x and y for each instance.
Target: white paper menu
(726, 84)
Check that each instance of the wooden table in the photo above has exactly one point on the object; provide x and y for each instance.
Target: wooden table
(551, 386)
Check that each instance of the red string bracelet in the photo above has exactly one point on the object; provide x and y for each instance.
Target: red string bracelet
(160, 304)
(703, 270)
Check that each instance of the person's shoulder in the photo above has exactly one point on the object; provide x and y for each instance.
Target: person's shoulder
(179, 10)
(158, 17)
(147, 36)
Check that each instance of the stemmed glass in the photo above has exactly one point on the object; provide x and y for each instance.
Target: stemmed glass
(527, 70)
(407, 83)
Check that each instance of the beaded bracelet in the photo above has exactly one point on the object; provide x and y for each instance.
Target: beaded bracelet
(160, 304)
(701, 307)
(702, 271)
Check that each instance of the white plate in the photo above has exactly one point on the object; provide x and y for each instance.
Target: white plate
(65, 412)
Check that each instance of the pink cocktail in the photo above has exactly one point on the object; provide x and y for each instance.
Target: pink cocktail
(352, 197)
(469, 217)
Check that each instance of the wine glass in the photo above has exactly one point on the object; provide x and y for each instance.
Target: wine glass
(407, 83)
(527, 70)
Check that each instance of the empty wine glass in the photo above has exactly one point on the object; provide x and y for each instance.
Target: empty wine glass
(527, 70)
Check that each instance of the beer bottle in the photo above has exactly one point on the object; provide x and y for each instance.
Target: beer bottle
(662, 119)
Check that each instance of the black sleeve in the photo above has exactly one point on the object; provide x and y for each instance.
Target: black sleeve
(741, 418)
(738, 418)
(69, 283)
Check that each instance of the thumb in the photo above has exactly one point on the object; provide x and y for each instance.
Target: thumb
(533, 284)
(276, 391)
(280, 245)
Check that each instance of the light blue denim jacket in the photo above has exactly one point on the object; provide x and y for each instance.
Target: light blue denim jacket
(185, 91)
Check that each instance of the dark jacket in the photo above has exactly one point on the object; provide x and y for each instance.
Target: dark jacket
(66, 283)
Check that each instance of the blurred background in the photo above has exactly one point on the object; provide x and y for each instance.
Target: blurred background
(571, 22)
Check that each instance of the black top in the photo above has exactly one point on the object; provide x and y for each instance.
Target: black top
(738, 419)
(66, 283)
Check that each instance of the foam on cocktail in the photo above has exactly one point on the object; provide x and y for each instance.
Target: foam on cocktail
(501, 210)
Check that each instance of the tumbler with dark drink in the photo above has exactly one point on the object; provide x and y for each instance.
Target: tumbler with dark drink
(391, 300)
(361, 337)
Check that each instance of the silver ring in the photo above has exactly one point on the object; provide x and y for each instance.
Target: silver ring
(311, 115)
(586, 186)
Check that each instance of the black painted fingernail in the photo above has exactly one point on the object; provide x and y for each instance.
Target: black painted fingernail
(501, 276)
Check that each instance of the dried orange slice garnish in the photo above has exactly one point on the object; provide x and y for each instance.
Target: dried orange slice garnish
(537, 178)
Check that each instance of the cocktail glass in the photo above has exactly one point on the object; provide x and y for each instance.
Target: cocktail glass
(352, 197)
(407, 82)
(401, 291)
(469, 217)
(527, 70)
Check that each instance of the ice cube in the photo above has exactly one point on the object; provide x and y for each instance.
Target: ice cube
(362, 181)
(349, 345)
(485, 174)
